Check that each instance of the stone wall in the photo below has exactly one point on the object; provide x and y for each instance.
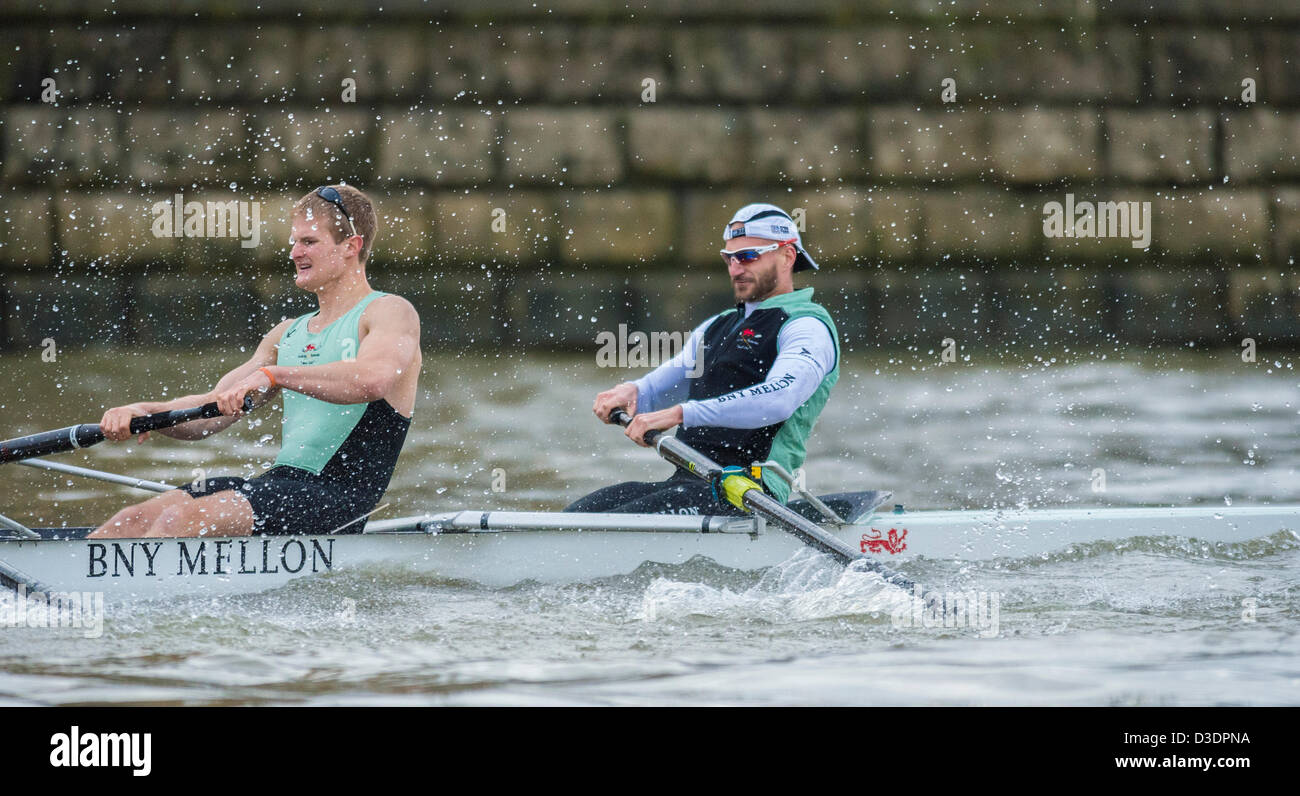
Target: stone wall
(547, 171)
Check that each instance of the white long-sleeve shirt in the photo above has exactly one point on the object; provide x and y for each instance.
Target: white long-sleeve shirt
(805, 354)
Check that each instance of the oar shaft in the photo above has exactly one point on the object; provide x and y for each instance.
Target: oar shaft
(87, 434)
(683, 455)
(19, 581)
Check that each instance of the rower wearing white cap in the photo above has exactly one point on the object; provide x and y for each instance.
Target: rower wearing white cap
(768, 367)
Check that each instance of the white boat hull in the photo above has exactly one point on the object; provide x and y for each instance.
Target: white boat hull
(132, 569)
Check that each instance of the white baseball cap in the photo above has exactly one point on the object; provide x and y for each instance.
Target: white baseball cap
(768, 222)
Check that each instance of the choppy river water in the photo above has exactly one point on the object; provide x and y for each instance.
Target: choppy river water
(1135, 622)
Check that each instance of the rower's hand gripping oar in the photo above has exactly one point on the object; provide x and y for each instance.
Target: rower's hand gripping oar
(746, 494)
(87, 434)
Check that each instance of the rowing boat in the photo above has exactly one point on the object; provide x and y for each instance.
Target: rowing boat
(502, 548)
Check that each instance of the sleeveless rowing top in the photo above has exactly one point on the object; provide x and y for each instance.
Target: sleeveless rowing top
(355, 443)
(739, 352)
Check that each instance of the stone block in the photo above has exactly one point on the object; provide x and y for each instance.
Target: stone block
(680, 144)
(1204, 65)
(1166, 145)
(71, 145)
(845, 226)
(562, 147)
(111, 229)
(238, 230)
(732, 64)
(196, 311)
(1043, 146)
(248, 62)
(794, 146)
(623, 227)
(407, 238)
(678, 301)
(909, 144)
(31, 149)
(835, 65)
(182, 147)
(385, 63)
(1261, 144)
(313, 147)
(26, 230)
(76, 308)
(436, 146)
(701, 216)
(276, 229)
(455, 309)
(468, 64)
(1149, 11)
(565, 63)
(1213, 222)
(1264, 305)
(850, 299)
(567, 309)
(1286, 227)
(111, 64)
(977, 222)
(924, 306)
(998, 64)
(519, 227)
(1036, 306)
(1169, 305)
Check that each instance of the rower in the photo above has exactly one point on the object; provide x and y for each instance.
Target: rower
(348, 373)
(767, 368)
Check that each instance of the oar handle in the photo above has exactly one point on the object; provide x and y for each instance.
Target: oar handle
(624, 419)
(87, 434)
(175, 417)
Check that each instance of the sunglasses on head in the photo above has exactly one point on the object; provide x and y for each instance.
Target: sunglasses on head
(331, 195)
(749, 255)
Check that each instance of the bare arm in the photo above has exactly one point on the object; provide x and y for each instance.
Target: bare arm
(389, 349)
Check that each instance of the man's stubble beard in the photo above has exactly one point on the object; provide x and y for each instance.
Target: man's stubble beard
(764, 286)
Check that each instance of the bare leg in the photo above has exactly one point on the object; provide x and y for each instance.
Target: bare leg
(223, 514)
(134, 522)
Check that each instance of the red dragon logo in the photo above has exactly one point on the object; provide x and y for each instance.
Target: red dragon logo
(893, 544)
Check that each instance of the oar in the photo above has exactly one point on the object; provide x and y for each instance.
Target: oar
(16, 579)
(748, 495)
(98, 475)
(87, 434)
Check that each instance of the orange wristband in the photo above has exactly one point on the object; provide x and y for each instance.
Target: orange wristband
(269, 377)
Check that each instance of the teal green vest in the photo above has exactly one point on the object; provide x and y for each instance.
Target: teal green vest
(315, 429)
(789, 448)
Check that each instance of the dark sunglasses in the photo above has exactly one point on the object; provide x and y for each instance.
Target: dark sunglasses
(331, 195)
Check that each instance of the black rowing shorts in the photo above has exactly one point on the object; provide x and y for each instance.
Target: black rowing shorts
(683, 493)
(287, 500)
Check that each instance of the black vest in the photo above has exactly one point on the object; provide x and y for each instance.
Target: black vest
(738, 352)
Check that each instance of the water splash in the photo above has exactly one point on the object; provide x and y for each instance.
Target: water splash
(806, 587)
